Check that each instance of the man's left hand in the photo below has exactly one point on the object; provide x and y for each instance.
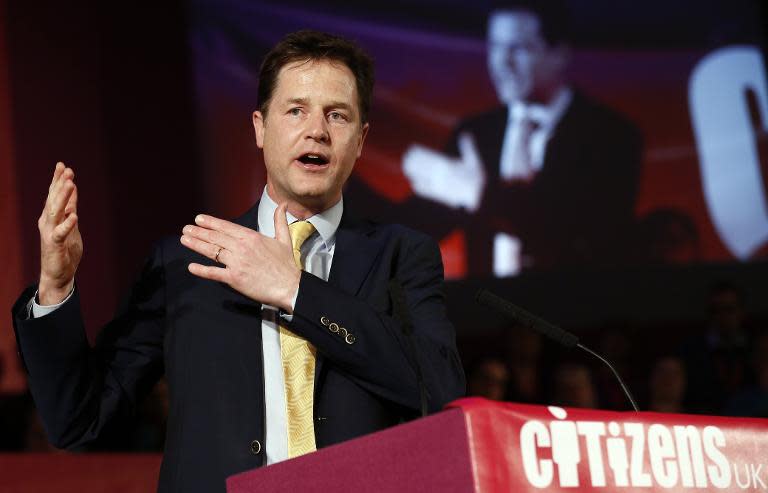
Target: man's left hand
(255, 265)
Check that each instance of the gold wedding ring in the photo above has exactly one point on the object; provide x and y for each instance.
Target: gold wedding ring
(216, 257)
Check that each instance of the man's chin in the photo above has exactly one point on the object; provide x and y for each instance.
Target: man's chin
(315, 198)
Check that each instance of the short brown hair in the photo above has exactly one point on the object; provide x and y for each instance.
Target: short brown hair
(314, 45)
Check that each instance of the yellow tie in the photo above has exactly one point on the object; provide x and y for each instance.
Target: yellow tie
(298, 357)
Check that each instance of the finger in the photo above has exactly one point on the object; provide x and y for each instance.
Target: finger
(71, 207)
(209, 272)
(56, 211)
(61, 231)
(204, 248)
(66, 177)
(56, 174)
(282, 233)
(230, 228)
(211, 236)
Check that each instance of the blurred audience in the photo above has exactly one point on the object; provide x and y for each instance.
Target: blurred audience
(666, 385)
(753, 399)
(717, 356)
(572, 386)
(488, 377)
(523, 356)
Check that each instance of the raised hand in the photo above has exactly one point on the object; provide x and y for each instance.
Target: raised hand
(255, 265)
(455, 182)
(61, 246)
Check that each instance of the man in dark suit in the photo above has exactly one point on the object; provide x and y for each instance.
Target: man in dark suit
(272, 346)
(548, 179)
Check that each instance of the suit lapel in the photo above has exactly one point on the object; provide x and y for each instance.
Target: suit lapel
(354, 254)
(250, 219)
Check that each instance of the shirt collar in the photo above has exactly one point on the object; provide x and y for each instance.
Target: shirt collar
(326, 223)
(545, 115)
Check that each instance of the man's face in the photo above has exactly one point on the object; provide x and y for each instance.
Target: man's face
(311, 133)
(519, 60)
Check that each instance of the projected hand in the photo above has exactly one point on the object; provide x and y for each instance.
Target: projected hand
(455, 182)
(255, 265)
(61, 246)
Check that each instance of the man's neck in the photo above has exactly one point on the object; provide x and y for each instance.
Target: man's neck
(545, 96)
(299, 210)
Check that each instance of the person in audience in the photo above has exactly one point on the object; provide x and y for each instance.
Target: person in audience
(753, 399)
(524, 360)
(489, 378)
(666, 385)
(716, 358)
(573, 386)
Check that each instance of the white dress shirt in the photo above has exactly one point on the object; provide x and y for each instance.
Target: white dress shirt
(317, 255)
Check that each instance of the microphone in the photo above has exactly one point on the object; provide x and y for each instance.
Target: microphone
(400, 309)
(563, 337)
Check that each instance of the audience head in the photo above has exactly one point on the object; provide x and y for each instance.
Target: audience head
(573, 386)
(489, 378)
(726, 311)
(667, 383)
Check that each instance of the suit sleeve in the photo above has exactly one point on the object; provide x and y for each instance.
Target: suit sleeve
(77, 389)
(379, 358)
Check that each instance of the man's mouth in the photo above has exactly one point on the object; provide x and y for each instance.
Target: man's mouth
(313, 159)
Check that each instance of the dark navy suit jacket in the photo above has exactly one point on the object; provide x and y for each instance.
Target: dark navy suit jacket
(206, 338)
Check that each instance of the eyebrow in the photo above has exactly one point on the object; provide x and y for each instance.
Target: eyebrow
(332, 104)
(298, 101)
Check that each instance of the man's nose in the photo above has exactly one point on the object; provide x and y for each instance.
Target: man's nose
(512, 60)
(317, 128)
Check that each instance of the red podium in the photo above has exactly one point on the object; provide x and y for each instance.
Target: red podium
(483, 446)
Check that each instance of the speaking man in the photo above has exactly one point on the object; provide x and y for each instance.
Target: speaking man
(277, 331)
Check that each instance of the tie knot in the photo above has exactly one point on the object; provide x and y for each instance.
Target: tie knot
(300, 231)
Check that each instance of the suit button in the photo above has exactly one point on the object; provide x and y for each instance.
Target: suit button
(324, 320)
(343, 332)
(350, 338)
(255, 447)
(334, 327)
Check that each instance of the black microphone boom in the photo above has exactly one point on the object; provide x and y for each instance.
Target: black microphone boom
(518, 315)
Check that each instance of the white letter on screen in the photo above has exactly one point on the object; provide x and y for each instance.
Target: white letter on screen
(727, 144)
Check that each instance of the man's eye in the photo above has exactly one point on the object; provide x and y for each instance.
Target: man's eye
(335, 115)
(294, 111)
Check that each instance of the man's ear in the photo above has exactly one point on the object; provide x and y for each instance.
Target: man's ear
(258, 128)
(363, 133)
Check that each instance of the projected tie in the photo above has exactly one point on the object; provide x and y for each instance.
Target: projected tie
(298, 357)
(516, 160)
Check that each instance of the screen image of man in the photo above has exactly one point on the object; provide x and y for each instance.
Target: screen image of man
(275, 331)
(548, 178)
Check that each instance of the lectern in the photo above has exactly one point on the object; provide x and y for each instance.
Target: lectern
(482, 446)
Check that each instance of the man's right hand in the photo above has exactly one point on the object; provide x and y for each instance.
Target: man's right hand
(61, 246)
